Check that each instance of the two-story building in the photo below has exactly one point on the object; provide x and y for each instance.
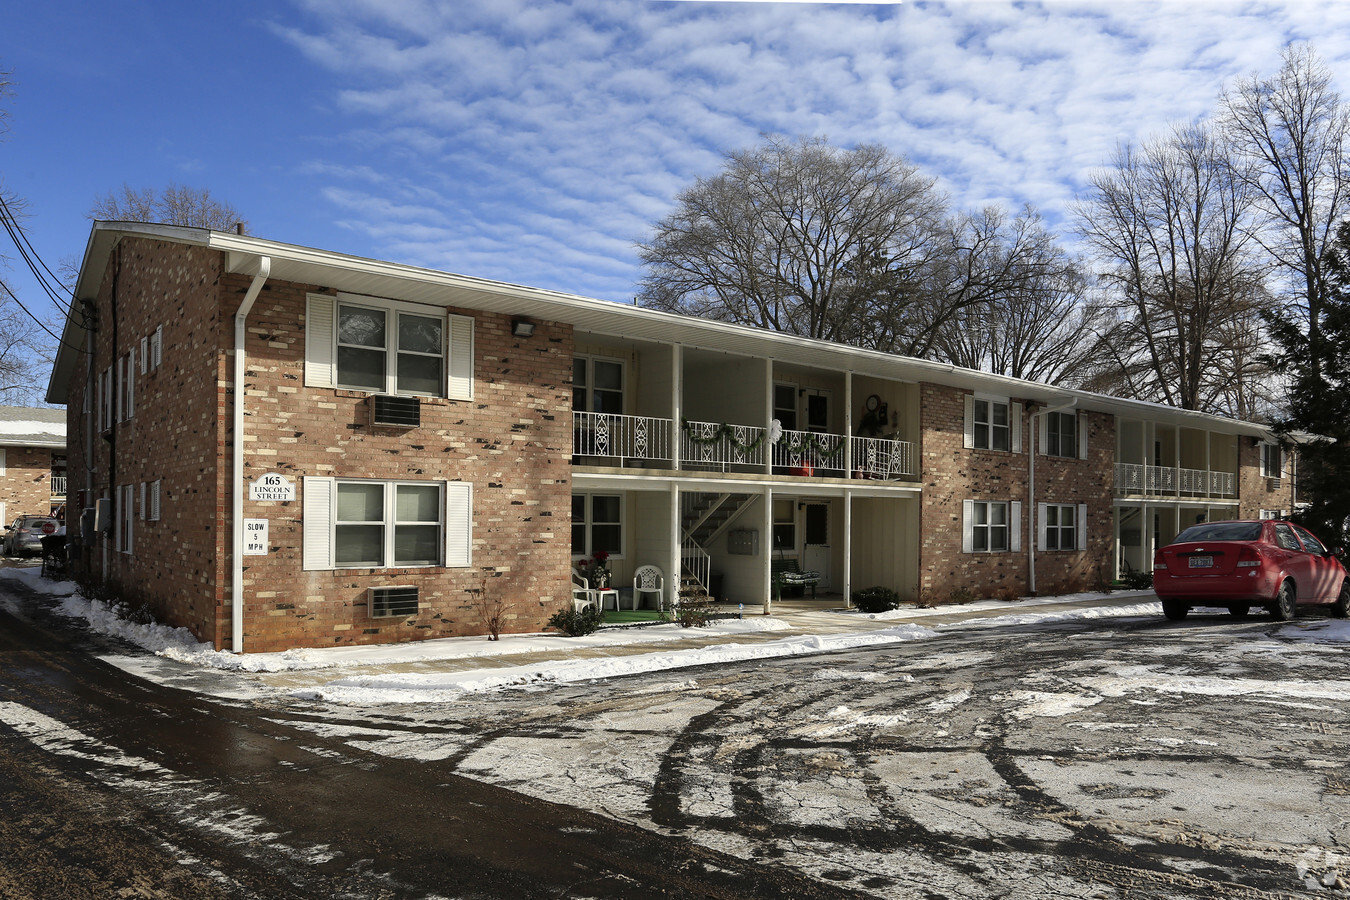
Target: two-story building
(32, 462)
(277, 446)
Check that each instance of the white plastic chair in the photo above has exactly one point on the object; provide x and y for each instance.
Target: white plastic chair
(582, 593)
(649, 579)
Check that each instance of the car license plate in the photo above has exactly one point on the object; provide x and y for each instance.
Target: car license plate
(1202, 562)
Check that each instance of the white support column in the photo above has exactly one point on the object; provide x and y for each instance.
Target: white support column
(848, 439)
(848, 546)
(768, 415)
(677, 549)
(676, 391)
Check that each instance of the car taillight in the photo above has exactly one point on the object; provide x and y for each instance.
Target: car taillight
(1248, 557)
(1158, 561)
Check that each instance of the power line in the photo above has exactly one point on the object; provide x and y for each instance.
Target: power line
(33, 260)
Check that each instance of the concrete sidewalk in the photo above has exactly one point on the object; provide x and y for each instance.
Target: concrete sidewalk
(804, 618)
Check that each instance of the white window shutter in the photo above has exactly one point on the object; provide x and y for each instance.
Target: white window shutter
(131, 383)
(2, 471)
(120, 387)
(459, 385)
(154, 500)
(320, 343)
(1015, 417)
(1043, 437)
(1015, 525)
(1082, 527)
(970, 422)
(458, 523)
(145, 354)
(318, 522)
(1283, 463)
(1040, 525)
(158, 347)
(144, 511)
(967, 526)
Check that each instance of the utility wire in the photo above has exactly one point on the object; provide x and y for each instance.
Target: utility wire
(33, 260)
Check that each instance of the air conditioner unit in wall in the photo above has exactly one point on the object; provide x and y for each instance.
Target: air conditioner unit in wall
(393, 601)
(395, 412)
(1273, 484)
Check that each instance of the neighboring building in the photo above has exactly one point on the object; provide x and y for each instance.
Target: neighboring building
(408, 436)
(32, 462)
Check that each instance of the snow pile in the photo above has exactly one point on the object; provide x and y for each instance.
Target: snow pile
(912, 612)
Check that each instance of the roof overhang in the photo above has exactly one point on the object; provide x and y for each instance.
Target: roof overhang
(396, 281)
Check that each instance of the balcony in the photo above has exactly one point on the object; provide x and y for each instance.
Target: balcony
(646, 442)
(1172, 481)
(58, 487)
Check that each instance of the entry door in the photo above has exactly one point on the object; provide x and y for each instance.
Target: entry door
(816, 411)
(816, 543)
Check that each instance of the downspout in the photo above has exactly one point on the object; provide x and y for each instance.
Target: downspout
(237, 492)
(1032, 529)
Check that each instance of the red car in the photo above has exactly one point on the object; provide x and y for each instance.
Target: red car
(1242, 564)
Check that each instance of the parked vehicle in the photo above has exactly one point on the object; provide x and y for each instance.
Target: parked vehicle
(23, 537)
(1241, 564)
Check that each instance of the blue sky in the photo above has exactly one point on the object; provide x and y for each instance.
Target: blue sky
(536, 142)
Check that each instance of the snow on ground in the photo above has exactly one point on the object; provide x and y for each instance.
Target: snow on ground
(596, 656)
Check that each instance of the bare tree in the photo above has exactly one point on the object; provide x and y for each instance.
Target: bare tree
(1291, 135)
(1038, 327)
(1170, 225)
(800, 237)
(174, 205)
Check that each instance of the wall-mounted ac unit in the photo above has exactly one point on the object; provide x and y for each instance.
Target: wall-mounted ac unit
(395, 412)
(393, 601)
(1273, 484)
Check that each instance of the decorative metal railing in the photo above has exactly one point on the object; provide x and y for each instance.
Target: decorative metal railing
(58, 485)
(883, 459)
(809, 453)
(1132, 478)
(613, 436)
(708, 445)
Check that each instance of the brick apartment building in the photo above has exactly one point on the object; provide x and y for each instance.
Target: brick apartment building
(405, 439)
(32, 462)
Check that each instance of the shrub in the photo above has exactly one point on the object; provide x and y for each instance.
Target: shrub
(875, 599)
(573, 623)
(1138, 581)
(693, 612)
(961, 595)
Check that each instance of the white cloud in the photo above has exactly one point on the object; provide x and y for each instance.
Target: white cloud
(559, 132)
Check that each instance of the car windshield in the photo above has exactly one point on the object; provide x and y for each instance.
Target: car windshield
(1220, 531)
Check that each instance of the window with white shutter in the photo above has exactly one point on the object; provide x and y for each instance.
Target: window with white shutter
(370, 524)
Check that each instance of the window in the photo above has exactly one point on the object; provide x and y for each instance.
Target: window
(1061, 434)
(785, 405)
(390, 352)
(1272, 461)
(1310, 543)
(1284, 536)
(125, 517)
(388, 348)
(368, 524)
(1062, 526)
(991, 526)
(597, 524)
(157, 347)
(128, 399)
(597, 385)
(785, 525)
(992, 423)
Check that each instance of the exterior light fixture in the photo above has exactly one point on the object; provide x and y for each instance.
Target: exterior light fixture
(522, 328)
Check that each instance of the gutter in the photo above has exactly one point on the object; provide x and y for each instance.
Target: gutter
(237, 492)
(1031, 487)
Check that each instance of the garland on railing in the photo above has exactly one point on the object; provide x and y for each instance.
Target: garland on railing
(723, 432)
(797, 446)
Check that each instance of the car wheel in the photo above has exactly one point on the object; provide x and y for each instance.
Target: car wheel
(1341, 608)
(1175, 610)
(1286, 604)
(1240, 611)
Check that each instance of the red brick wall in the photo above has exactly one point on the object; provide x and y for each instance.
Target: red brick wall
(25, 486)
(1254, 493)
(173, 436)
(512, 442)
(951, 474)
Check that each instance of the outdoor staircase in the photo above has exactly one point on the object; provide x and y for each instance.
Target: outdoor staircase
(703, 518)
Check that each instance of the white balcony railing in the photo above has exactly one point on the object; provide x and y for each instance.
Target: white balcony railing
(708, 445)
(1170, 481)
(606, 435)
(881, 458)
(58, 485)
(810, 453)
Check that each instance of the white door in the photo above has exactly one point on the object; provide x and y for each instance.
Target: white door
(816, 542)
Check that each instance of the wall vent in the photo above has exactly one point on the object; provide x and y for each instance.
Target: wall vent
(1273, 484)
(395, 412)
